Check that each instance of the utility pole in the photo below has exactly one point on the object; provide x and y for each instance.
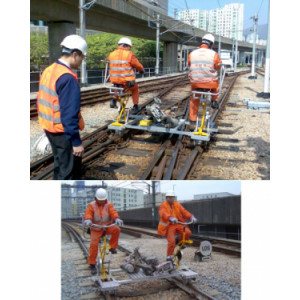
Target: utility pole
(236, 37)
(157, 47)
(233, 50)
(83, 74)
(255, 18)
(266, 92)
(153, 205)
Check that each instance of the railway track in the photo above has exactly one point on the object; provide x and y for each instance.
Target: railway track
(90, 97)
(192, 291)
(138, 155)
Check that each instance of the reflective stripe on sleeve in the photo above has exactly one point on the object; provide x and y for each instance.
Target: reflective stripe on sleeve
(162, 223)
(119, 62)
(122, 75)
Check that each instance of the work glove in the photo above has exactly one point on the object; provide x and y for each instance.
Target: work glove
(193, 219)
(87, 222)
(173, 220)
(119, 222)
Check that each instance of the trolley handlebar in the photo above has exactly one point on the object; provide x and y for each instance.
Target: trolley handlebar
(102, 226)
(187, 223)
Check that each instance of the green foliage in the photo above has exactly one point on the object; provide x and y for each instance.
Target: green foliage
(39, 54)
(99, 47)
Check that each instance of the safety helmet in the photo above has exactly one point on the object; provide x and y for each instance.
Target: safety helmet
(101, 194)
(170, 193)
(73, 42)
(209, 37)
(125, 40)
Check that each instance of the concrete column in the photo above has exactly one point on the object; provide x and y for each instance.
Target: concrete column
(57, 31)
(170, 57)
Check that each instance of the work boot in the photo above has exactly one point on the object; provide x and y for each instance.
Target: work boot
(179, 255)
(113, 251)
(135, 109)
(113, 103)
(214, 104)
(93, 269)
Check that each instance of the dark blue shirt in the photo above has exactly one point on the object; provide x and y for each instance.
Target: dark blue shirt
(68, 91)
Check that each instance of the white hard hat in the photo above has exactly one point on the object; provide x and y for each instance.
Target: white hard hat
(209, 37)
(101, 194)
(125, 40)
(73, 42)
(170, 193)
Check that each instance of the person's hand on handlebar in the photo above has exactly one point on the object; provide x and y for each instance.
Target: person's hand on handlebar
(173, 220)
(87, 222)
(119, 222)
(193, 219)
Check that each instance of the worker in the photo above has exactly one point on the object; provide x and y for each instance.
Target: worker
(170, 213)
(204, 63)
(121, 64)
(101, 212)
(58, 105)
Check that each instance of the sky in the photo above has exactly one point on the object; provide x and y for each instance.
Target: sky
(184, 189)
(250, 7)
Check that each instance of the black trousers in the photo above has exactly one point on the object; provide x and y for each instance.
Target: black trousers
(66, 165)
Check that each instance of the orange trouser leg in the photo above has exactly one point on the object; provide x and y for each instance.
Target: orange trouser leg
(194, 107)
(171, 234)
(114, 232)
(95, 238)
(216, 90)
(134, 91)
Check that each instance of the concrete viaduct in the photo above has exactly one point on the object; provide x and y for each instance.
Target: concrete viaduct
(121, 17)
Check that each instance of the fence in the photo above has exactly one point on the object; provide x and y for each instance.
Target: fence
(97, 76)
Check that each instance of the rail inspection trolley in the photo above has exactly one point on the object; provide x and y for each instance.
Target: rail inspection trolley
(136, 267)
(156, 120)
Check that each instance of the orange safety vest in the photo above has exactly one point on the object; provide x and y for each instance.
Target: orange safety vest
(101, 218)
(120, 70)
(175, 212)
(202, 66)
(47, 99)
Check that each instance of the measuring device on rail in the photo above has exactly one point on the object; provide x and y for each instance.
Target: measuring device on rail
(137, 267)
(157, 122)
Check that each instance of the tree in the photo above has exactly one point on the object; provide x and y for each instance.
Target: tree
(39, 54)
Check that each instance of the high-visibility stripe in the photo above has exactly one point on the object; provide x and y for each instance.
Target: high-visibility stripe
(119, 62)
(201, 69)
(47, 90)
(120, 69)
(48, 104)
(206, 62)
(49, 118)
(162, 223)
(121, 75)
(202, 75)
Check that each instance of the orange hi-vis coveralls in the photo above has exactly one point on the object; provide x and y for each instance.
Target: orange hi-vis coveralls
(102, 215)
(121, 64)
(166, 228)
(47, 99)
(203, 63)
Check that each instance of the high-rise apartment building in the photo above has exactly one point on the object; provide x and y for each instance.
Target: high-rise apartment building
(226, 21)
(195, 17)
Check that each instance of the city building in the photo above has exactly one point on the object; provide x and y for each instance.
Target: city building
(195, 17)
(125, 198)
(226, 21)
(212, 195)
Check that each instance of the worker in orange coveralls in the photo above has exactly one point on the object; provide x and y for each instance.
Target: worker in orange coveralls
(101, 212)
(170, 213)
(204, 63)
(121, 64)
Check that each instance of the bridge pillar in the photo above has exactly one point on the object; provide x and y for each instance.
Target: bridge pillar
(170, 57)
(57, 31)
